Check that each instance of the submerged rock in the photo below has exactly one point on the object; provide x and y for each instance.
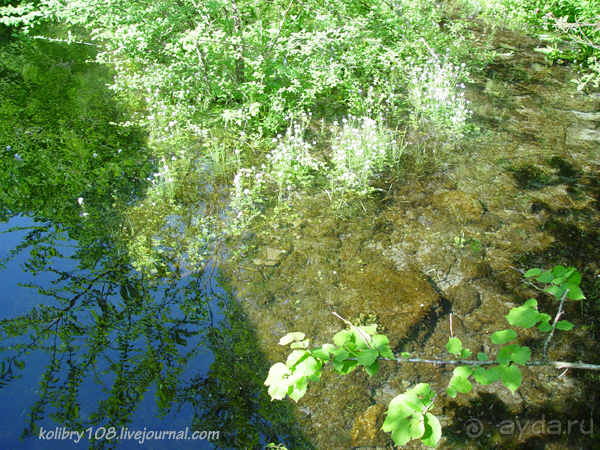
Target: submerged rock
(459, 205)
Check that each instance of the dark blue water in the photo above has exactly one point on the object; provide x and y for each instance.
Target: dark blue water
(17, 398)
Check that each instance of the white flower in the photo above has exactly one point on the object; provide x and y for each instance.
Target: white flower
(80, 200)
(246, 191)
(95, 155)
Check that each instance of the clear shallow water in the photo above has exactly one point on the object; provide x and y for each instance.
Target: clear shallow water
(87, 341)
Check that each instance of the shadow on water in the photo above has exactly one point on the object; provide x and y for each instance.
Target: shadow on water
(89, 343)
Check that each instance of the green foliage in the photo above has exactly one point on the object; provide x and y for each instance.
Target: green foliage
(408, 418)
(359, 346)
(560, 279)
(408, 415)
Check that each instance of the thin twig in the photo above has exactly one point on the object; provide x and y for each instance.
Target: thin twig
(557, 364)
(558, 314)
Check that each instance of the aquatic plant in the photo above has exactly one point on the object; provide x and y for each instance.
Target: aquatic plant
(409, 414)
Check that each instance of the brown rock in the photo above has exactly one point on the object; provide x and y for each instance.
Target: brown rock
(459, 205)
(366, 431)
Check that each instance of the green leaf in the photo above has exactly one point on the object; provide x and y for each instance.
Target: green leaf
(296, 356)
(321, 354)
(532, 273)
(574, 293)
(400, 432)
(503, 336)
(466, 353)
(511, 378)
(340, 355)
(451, 391)
(557, 291)
(399, 409)
(386, 352)
(278, 386)
(564, 325)
(461, 384)
(380, 341)
(369, 329)
(416, 426)
(299, 389)
(506, 352)
(482, 356)
(574, 278)
(433, 431)
(405, 355)
(531, 303)
(367, 356)
(463, 371)
(422, 389)
(372, 369)
(523, 316)
(291, 337)
(481, 376)
(545, 277)
(522, 355)
(300, 344)
(344, 367)
(545, 327)
(329, 348)
(307, 367)
(559, 271)
(454, 345)
(342, 337)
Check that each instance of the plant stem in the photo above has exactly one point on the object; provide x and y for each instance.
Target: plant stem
(362, 334)
(558, 314)
(557, 364)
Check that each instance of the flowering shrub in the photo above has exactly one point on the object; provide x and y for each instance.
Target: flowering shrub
(437, 97)
(362, 147)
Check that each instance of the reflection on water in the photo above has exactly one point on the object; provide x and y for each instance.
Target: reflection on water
(87, 341)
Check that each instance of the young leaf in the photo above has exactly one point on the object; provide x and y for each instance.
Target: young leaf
(463, 371)
(503, 336)
(342, 337)
(557, 291)
(298, 389)
(559, 271)
(545, 327)
(321, 354)
(416, 426)
(454, 345)
(433, 431)
(451, 391)
(367, 356)
(511, 378)
(405, 355)
(300, 344)
(506, 352)
(369, 329)
(401, 432)
(532, 273)
(344, 367)
(461, 384)
(574, 292)
(545, 277)
(482, 357)
(574, 278)
(372, 369)
(522, 355)
(523, 316)
(481, 376)
(466, 353)
(329, 348)
(564, 325)
(291, 337)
